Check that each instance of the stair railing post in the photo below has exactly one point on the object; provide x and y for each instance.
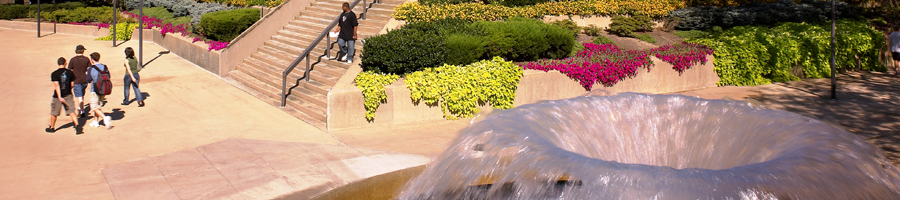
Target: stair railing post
(306, 74)
(365, 9)
(327, 46)
(283, 91)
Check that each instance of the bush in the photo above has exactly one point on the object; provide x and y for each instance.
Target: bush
(16, 11)
(415, 12)
(463, 49)
(646, 38)
(460, 89)
(705, 17)
(123, 32)
(602, 40)
(755, 55)
(372, 87)
(158, 12)
(178, 21)
(626, 26)
(691, 34)
(569, 25)
(515, 3)
(182, 8)
(402, 51)
(521, 39)
(445, 2)
(228, 24)
(592, 30)
(84, 14)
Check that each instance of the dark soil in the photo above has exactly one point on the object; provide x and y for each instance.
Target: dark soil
(628, 43)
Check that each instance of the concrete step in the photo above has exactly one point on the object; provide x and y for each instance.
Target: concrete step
(298, 93)
(272, 74)
(321, 24)
(307, 112)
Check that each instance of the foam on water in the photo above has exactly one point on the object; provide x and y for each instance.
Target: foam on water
(637, 146)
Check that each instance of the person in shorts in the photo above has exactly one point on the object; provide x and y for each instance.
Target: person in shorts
(79, 65)
(97, 100)
(63, 81)
(895, 48)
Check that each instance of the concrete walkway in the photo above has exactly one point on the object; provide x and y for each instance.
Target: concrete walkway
(187, 107)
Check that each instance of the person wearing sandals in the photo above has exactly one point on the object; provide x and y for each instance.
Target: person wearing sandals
(132, 78)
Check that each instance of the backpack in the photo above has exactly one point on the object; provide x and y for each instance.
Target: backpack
(104, 85)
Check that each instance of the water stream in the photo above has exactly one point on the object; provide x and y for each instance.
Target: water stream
(638, 146)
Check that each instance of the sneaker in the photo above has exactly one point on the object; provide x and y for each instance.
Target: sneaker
(50, 129)
(349, 61)
(79, 130)
(107, 121)
(125, 103)
(95, 124)
(344, 58)
(140, 103)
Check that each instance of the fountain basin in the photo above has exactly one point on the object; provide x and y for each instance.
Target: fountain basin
(638, 146)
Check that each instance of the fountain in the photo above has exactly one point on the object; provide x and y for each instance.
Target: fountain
(638, 146)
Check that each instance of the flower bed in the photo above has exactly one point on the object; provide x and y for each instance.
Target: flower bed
(607, 64)
(150, 22)
(415, 12)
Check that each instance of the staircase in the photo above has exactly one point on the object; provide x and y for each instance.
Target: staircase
(308, 101)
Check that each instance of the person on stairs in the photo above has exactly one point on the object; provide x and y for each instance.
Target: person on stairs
(346, 34)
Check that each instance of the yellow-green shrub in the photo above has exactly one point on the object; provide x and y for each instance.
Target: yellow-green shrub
(460, 89)
(415, 12)
(372, 86)
(123, 32)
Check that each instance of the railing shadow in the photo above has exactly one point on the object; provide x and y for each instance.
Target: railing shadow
(154, 58)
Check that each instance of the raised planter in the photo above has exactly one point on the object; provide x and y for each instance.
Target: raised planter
(195, 52)
(48, 27)
(346, 110)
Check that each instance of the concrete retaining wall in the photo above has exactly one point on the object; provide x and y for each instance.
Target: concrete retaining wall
(49, 28)
(197, 53)
(346, 110)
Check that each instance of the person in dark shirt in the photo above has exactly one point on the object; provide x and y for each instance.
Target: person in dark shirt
(347, 34)
(79, 64)
(63, 81)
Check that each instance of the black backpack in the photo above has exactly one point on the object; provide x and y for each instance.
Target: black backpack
(104, 85)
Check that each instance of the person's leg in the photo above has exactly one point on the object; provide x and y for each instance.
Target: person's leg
(54, 112)
(341, 48)
(70, 111)
(351, 48)
(137, 89)
(78, 91)
(127, 85)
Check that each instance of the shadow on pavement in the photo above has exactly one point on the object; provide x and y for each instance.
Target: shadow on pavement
(868, 104)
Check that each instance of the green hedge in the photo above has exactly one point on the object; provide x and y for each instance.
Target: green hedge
(626, 26)
(457, 42)
(16, 11)
(227, 24)
(755, 55)
(85, 14)
(524, 39)
(402, 51)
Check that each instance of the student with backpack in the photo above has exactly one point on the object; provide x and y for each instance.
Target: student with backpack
(132, 78)
(100, 87)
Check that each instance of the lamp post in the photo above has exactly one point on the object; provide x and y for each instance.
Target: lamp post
(39, 19)
(141, 34)
(833, 79)
(114, 22)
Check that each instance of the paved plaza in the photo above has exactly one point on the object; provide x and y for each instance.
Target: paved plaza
(198, 131)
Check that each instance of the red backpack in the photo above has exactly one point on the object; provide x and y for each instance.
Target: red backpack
(104, 85)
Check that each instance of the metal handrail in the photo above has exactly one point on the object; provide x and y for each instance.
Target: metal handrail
(308, 50)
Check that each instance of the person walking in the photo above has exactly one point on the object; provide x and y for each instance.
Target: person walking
(132, 78)
(347, 36)
(63, 80)
(97, 99)
(895, 48)
(79, 65)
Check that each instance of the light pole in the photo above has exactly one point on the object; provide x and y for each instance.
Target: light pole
(39, 19)
(114, 23)
(833, 79)
(141, 34)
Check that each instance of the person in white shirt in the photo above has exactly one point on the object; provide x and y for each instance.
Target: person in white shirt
(895, 48)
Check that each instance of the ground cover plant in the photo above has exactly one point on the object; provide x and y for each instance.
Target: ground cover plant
(16, 11)
(372, 86)
(755, 55)
(460, 89)
(416, 12)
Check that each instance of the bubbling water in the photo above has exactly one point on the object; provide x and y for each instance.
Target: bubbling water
(638, 146)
